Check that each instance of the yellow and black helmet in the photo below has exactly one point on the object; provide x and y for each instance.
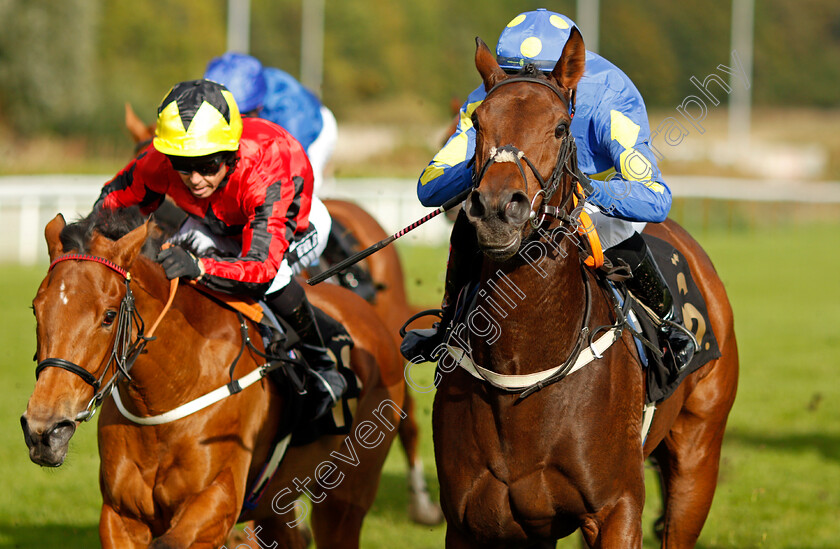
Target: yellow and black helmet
(197, 118)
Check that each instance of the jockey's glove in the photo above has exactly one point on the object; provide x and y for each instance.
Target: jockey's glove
(179, 263)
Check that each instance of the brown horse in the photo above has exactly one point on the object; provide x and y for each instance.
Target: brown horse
(182, 483)
(523, 469)
(392, 306)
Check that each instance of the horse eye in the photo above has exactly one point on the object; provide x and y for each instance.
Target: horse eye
(560, 130)
(110, 316)
(474, 119)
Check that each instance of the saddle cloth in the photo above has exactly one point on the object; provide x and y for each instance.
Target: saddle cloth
(662, 380)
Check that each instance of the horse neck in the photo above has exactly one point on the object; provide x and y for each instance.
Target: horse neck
(165, 376)
(540, 302)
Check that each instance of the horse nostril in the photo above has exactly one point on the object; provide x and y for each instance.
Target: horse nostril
(475, 206)
(61, 432)
(518, 208)
(24, 424)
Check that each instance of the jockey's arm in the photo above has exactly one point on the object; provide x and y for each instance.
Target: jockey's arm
(134, 185)
(450, 171)
(636, 191)
(274, 219)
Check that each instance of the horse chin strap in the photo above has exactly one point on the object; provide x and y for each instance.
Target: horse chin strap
(124, 352)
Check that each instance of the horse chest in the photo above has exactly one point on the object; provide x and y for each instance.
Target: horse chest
(508, 479)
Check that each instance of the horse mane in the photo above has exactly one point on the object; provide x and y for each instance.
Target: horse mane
(113, 225)
(529, 71)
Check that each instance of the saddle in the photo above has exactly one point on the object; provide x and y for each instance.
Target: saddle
(662, 379)
(290, 373)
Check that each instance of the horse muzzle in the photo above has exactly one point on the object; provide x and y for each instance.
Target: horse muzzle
(47, 440)
(499, 220)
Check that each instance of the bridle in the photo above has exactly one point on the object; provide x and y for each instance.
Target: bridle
(566, 164)
(585, 348)
(124, 352)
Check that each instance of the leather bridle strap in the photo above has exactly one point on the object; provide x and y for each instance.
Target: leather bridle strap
(128, 351)
(89, 378)
(532, 80)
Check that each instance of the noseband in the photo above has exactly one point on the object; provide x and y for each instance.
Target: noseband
(566, 164)
(124, 351)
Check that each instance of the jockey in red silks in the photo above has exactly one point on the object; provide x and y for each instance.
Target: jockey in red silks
(246, 186)
(272, 94)
(612, 135)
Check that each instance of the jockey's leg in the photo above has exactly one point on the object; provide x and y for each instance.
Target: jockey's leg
(649, 286)
(342, 244)
(460, 270)
(291, 304)
(286, 297)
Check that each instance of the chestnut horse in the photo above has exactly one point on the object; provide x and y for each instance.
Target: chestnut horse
(182, 483)
(392, 306)
(528, 452)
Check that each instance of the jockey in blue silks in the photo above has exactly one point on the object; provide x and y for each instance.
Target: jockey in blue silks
(610, 128)
(275, 95)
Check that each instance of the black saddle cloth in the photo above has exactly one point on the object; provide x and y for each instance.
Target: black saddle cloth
(662, 379)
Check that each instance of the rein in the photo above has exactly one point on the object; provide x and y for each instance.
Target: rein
(124, 352)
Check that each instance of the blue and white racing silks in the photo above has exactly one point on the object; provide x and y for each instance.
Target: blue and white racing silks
(289, 104)
(612, 134)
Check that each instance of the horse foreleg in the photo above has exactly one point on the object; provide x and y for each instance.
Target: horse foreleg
(620, 528)
(421, 508)
(119, 532)
(270, 532)
(204, 519)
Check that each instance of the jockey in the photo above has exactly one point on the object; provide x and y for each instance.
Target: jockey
(246, 185)
(275, 95)
(610, 128)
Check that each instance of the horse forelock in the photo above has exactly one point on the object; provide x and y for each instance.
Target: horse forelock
(112, 224)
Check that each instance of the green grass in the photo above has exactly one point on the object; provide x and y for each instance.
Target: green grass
(781, 458)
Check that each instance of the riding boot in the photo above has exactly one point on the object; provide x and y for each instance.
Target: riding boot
(460, 268)
(649, 286)
(342, 244)
(329, 385)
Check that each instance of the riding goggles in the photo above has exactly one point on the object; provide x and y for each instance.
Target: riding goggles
(204, 165)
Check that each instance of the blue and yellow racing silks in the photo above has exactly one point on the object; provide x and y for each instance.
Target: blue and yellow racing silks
(611, 130)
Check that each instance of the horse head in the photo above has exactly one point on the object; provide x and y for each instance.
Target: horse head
(523, 146)
(78, 314)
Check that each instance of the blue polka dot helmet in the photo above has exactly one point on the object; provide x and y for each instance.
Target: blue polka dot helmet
(242, 75)
(535, 37)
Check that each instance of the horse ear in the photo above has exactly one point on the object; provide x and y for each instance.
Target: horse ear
(138, 130)
(52, 233)
(569, 68)
(128, 247)
(487, 66)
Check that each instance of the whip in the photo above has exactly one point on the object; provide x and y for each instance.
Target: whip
(340, 266)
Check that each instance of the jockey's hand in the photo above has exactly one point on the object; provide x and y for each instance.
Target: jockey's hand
(178, 262)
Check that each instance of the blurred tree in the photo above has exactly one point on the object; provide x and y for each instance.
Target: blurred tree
(48, 63)
(69, 66)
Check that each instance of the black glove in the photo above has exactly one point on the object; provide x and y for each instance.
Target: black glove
(178, 262)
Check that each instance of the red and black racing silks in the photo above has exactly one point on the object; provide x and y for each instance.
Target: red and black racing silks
(265, 202)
